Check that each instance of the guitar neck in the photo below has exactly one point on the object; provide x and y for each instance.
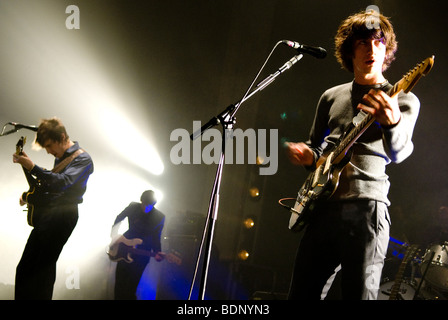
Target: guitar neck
(31, 180)
(19, 150)
(142, 252)
(352, 136)
(399, 276)
(397, 283)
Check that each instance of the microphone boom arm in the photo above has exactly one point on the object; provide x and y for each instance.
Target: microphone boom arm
(233, 108)
(3, 133)
(17, 127)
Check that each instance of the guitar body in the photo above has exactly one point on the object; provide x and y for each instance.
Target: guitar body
(36, 199)
(123, 248)
(38, 195)
(30, 217)
(322, 183)
(120, 249)
(31, 198)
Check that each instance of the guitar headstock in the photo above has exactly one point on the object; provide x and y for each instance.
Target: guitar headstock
(20, 144)
(411, 78)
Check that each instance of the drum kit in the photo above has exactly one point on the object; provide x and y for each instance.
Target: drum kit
(428, 278)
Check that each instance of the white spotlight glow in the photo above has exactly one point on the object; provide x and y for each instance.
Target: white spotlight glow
(125, 138)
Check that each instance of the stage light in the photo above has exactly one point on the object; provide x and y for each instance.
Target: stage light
(243, 255)
(249, 223)
(254, 192)
(123, 135)
(65, 75)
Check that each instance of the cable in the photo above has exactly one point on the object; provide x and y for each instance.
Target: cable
(287, 207)
(255, 79)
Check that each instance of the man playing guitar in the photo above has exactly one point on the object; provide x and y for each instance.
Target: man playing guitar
(145, 229)
(350, 230)
(53, 208)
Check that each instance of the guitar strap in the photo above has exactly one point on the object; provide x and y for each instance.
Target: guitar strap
(66, 161)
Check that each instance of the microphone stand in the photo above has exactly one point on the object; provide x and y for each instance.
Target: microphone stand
(3, 133)
(17, 127)
(227, 119)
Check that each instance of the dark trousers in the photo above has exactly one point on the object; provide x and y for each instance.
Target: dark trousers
(348, 235)
(127, 277)
(36, 271)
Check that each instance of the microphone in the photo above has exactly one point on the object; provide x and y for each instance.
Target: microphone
(316, 52)
(23, 126)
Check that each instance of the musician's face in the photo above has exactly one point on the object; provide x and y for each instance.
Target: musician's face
(369, 55)
(55, 148)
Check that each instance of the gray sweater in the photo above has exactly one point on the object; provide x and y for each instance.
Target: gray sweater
(364, 177)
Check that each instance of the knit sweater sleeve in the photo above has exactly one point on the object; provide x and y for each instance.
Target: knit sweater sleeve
(397, 140)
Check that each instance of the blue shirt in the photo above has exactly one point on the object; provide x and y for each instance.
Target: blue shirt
(69, 185)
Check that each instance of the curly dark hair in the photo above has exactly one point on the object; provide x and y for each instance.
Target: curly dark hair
(360, 26)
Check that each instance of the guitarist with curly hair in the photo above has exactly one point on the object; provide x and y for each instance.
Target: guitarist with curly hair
(349, 231)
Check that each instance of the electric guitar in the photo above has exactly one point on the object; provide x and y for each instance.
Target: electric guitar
(123, 249)
(39, 195)
(323, 181)
(395, 290)
(30, 197)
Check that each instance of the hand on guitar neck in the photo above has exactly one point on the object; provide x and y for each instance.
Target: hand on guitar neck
(159, 256)
(23, 159)
(323, 181)
(384, 108)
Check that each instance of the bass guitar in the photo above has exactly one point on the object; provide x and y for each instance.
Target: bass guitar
(123, 249)
(323, 181)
